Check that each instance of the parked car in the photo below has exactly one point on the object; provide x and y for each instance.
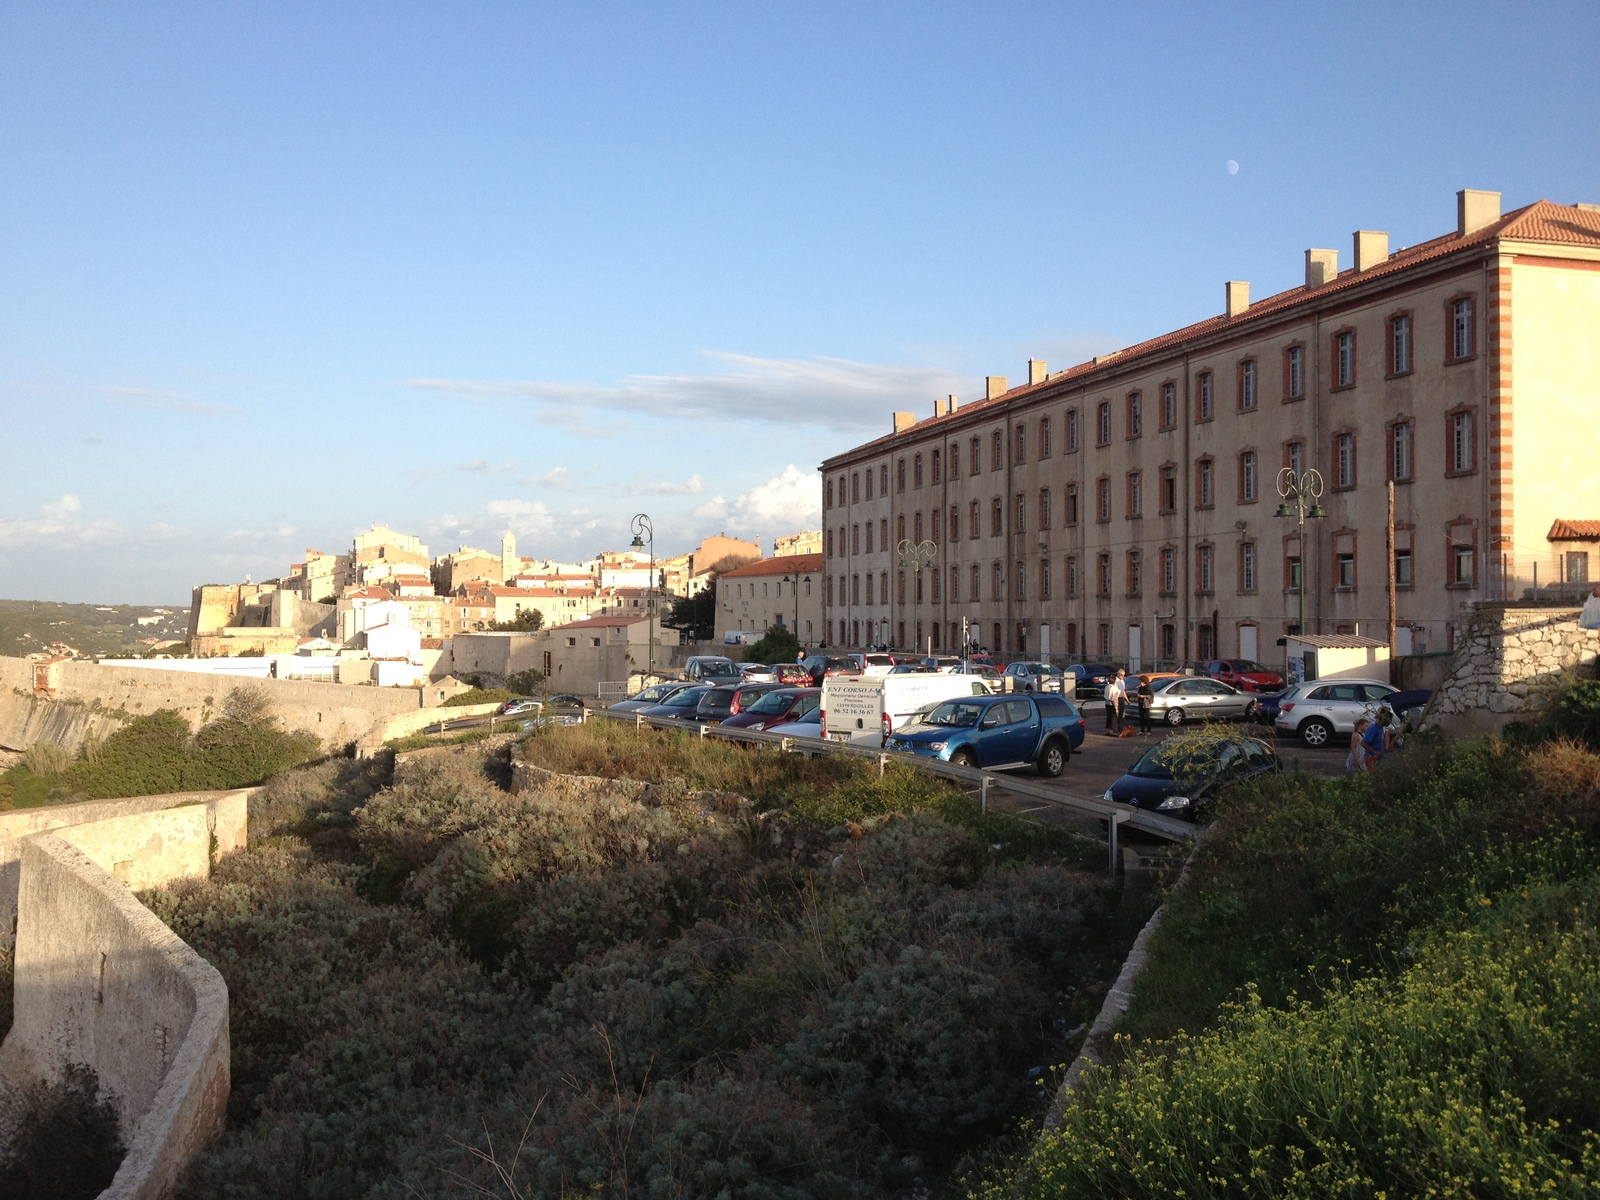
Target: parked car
(1034, 677)
(945, 664)
(807, 726)
(820, 666)
(1242, 673)
(874, 664)
(1319, 711)
(679, 703)
(714, 704)
(915, 668)
(997, 731)
(1161, 782)
(1090, 680)
(711, 668)
(776, 708)
(758, 673)
(1194, 698)
(518, 705)
(648, 697)
(990, 674)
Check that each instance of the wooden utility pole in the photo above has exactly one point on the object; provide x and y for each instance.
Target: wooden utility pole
(1389, 543)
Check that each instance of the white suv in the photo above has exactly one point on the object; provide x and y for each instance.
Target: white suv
(1317, 711)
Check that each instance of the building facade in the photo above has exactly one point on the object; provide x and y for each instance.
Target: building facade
(1128, 508)
(784, 591)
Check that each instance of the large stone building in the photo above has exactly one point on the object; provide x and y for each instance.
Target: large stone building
(784, 590)
(1127, 508)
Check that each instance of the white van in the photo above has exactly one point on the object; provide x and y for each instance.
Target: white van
(858, 708)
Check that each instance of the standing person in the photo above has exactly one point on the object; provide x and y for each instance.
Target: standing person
(1146, 695)
(1356, 760)
(1375, 741)
(1112, 716)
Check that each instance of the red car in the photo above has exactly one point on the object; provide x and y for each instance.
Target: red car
(776, 708)
(1243, 674)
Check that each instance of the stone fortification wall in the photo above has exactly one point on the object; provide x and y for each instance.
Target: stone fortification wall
(101, 981)
(1512, 658)
(94, 695)
(144, 841)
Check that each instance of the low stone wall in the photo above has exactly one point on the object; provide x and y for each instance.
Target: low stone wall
(404, 724)
(1512, 659)
(144, 841)
(101, 981)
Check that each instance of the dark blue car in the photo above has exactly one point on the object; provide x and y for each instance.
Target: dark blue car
(1182, 783)
(1039, 730)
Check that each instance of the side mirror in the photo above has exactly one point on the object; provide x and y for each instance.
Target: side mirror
(990, 722)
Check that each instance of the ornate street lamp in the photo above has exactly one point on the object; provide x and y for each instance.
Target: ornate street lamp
(644, 532)
(916, 555)
(794, 580)
(1300, 494)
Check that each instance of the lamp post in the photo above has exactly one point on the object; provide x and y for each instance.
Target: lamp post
(1297, 490)
(916, 555)
(644, 532)
(793, 579)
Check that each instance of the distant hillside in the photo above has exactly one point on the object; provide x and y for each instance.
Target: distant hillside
(29, 625)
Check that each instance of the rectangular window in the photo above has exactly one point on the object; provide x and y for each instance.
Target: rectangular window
(1102, 577)
(1072, 575)
(1294, 373)
(1072, 429)
(1169, 572)
(883, 479)
(1135, 494)
(1400, 344)
(869, 535)
(1292, 572)
(899, 529)
(999, 455)
(1102, 500)
(974, 526)
(1205, 483)
(916, 528)
(1105, 641)
(1400, 451)
(1021, 506)
(883, 532)
(1204, 398)
(900, 475)
(1169, 406)
(1461, 329)
(855, 488)
(1247, 384)
(997, 517)
(1344, 358)
(933, 577)
(1402, 568)
(1344, 460)
(1169, 489)
(999, 584)
(977, 455)
(1346, 564)
(883, 587)
(1135, 573)
(955, 460)
(1462, 444)
(827, 495)
(1044, 437)
(1294, 457)
(1205, 568)
(1135, 414)
(916, 471)
(855, 539)
(1021, 582)
(1022, 443)
(938, 473)
(1044, 579)
(1102, 417)
(869, 590)
(955, 584)
(1044, 508)
(1247, 477)
(1072, 504)
(1247, 567)
(977, 581)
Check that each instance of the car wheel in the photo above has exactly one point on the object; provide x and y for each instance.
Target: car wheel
(965, 758)
(1174, 716)
(1250, 708)
(1052, 759)
(1316, 733)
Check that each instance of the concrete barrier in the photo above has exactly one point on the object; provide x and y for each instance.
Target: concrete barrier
(101, 981)
(151, 853)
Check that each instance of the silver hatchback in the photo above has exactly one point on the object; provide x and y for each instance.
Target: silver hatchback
(1319, 711)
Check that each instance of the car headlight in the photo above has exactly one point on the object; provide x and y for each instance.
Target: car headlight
(1108, 797)
(1173, 802)
(936, 747)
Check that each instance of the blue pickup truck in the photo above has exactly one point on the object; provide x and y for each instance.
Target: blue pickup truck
(1040, 730)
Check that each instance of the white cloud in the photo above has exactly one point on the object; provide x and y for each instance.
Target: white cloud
(164, 400)
(525, 518)
(57, 524)
(555, 477)
(783, 504)
(835, 393)
(692, 486)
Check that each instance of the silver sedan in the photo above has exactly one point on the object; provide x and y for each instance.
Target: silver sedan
(1189, 698)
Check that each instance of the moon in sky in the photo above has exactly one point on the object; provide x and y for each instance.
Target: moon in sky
(1233, 167)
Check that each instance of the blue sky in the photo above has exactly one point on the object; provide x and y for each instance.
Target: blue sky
(271, 273)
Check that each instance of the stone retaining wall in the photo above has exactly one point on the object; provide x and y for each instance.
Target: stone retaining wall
(1512, 659)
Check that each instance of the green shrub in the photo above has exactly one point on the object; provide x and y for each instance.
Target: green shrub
(479, 695)
(66, 1146)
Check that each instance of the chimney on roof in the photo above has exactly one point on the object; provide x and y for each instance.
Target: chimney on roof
(904, 421)
(1238, 296)
(951, 404)
(1474, 210)
(1371, 247)
(1038, 371)
(1321, 267)
(939, 408)
(994, 386)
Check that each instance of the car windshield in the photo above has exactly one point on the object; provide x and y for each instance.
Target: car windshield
(1158, 761)
(772, 702)
(687, 698)
(877, 660)
(718, 668)
(1245, 667)
(717, 700)
(960, 714)
(655, 691)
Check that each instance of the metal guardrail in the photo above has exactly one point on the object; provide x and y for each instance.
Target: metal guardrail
(1114, 815)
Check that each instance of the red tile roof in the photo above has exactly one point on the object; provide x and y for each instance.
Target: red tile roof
(1573, 531)
(785, 565)
(1542, 221)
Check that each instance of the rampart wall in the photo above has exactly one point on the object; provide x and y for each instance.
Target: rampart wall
(1512, 660)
